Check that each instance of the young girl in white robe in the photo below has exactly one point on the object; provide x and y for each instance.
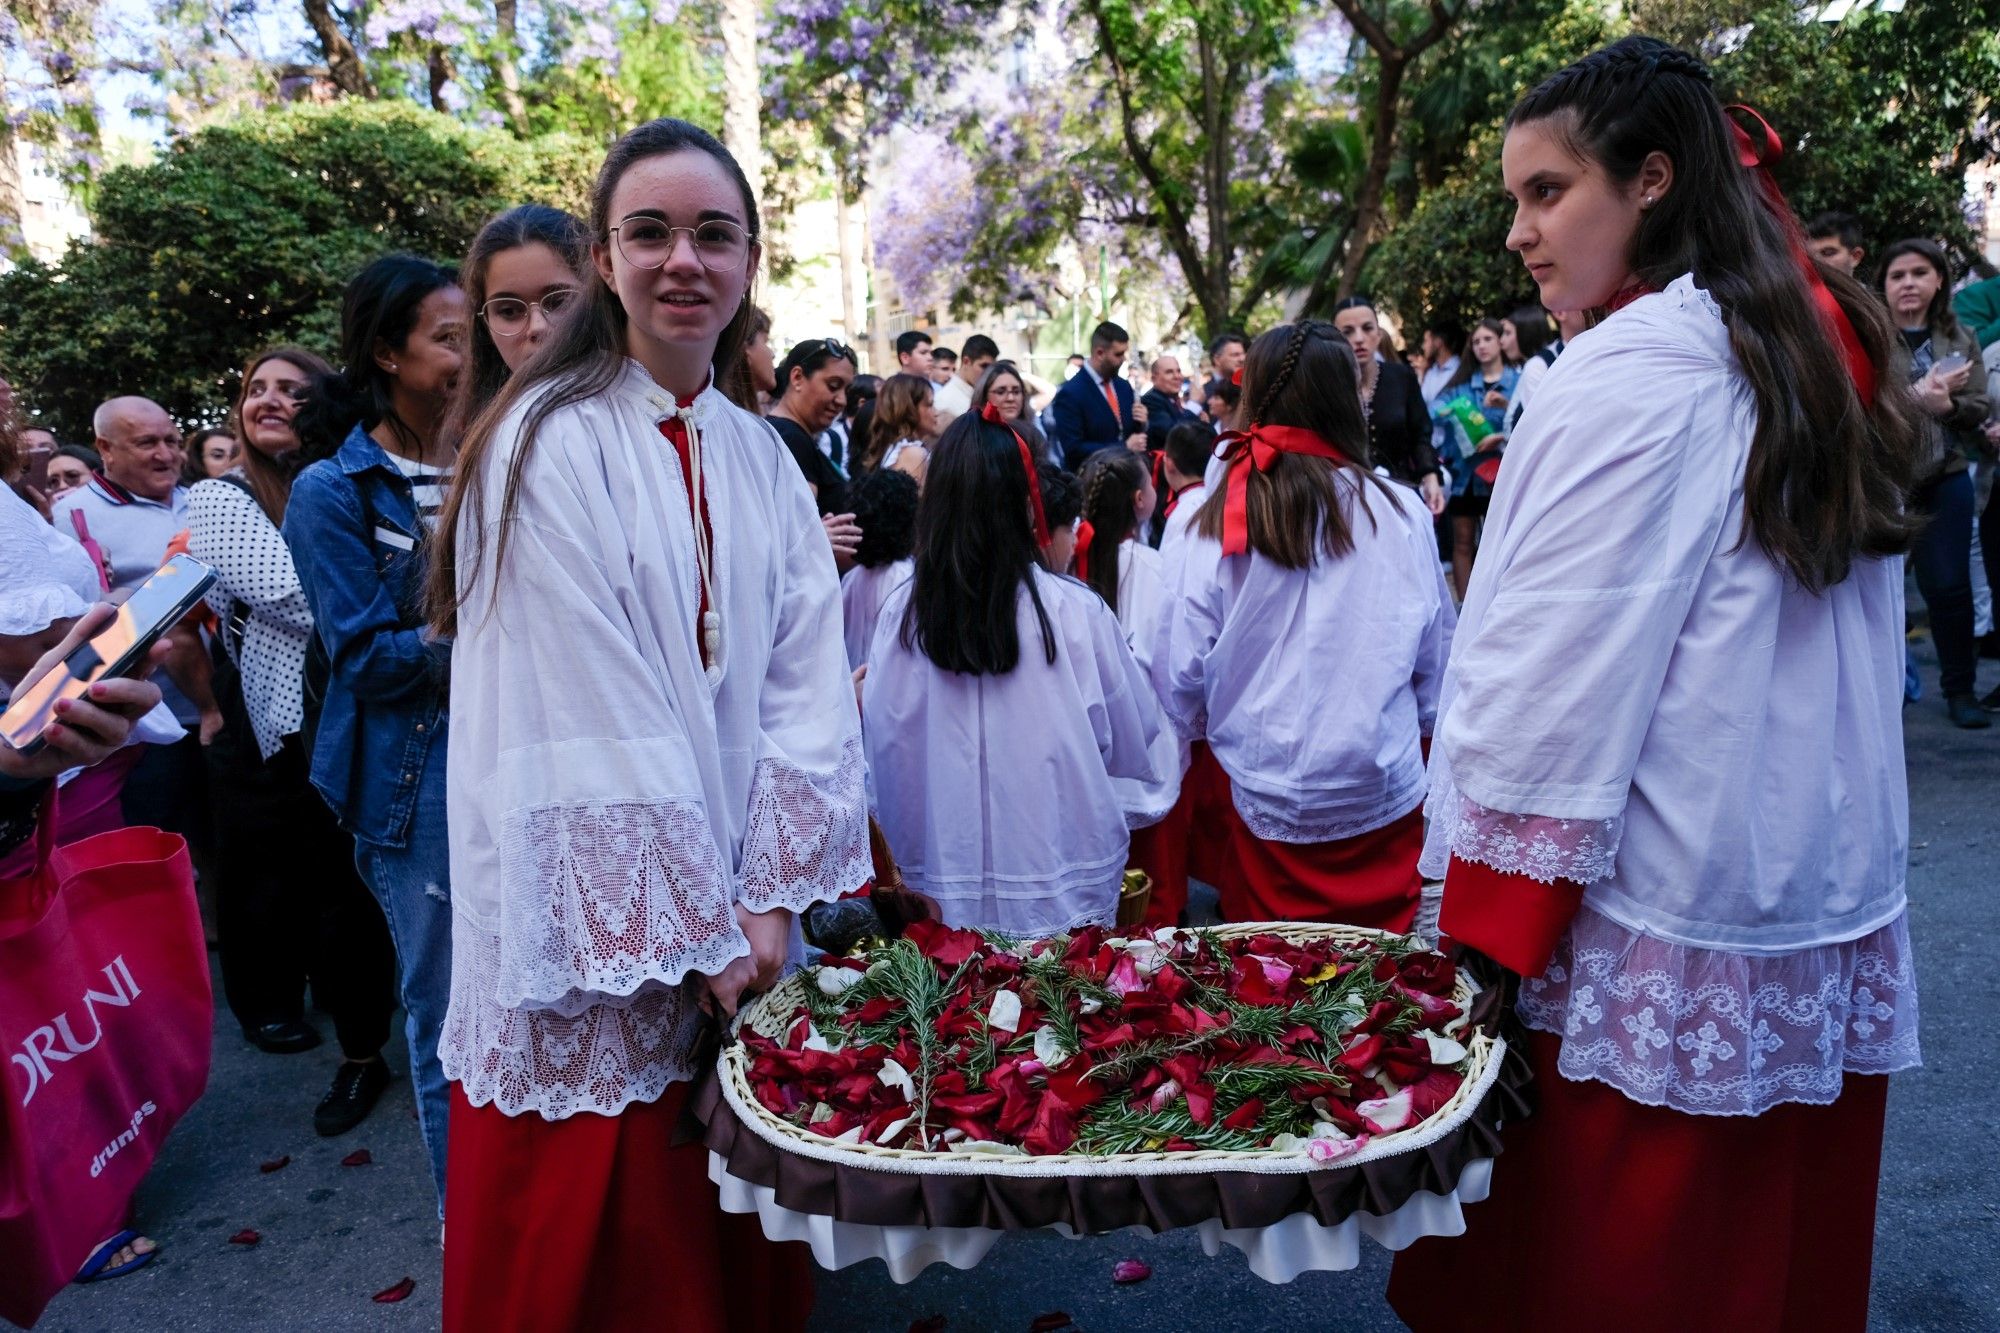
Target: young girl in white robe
(1306, 632)
(1668, 788)
(884, 505)
(655, 763)
(1001, 702)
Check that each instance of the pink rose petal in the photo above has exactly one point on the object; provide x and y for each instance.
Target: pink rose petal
(1130, 1270)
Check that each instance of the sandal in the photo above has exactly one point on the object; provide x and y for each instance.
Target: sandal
(99, 1268)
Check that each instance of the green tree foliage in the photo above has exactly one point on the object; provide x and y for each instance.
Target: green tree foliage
(1881, 116)
(243, 235)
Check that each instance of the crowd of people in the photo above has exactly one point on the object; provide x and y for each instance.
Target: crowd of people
(541, 691)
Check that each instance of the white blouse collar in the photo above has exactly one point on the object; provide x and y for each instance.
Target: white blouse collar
(707, 405)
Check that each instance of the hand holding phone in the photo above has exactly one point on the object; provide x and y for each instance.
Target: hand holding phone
(87, 730)
(119, 646)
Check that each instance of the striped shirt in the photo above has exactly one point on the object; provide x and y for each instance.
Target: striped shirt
(427, 487)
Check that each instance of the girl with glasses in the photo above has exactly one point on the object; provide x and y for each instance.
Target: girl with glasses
(523, 272)
(655, 763)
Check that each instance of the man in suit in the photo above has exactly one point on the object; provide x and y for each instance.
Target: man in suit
(1095, 409)
(1163, 402)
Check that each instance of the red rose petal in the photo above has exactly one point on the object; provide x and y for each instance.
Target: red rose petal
(359, 1157)
(934, 1324)
(1130, 1270)
(400, 1291)
(245, 1237)
(275, 1164)
(1051, 1321)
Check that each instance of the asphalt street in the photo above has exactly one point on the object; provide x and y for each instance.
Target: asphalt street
(332, 1236)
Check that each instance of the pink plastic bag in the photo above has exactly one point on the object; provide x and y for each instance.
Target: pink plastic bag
(105, 1028)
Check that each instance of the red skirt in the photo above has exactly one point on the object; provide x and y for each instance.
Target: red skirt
(1193, 840)
(1370, 879)
(595, 1223)
(1608, 1214)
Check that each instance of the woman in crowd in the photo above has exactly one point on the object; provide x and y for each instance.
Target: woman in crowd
(359, 527)
(290, 905)
(656, 763)
(1941, 362)
(1568, 324)
(70, 467)
(523, 271)
(1007, 389)
(1012, 688)
(1303, 568)
(211, 452)
(758, 380)
(904, 428)
(885, 507)
(1484, 384)
(814, 377)
(1399, 425)
(1689, 598)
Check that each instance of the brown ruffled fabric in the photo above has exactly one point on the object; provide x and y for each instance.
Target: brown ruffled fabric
(873, 1197)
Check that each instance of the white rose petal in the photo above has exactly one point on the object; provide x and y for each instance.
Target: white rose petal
(1005, 1015)
(1387, 1114)
(853, 1135)
(893, 1128)
(1049, 1048)
(1288, 1143)
(837, 981)
(1089, 1005)
(814, 1041)
(893, 1075)
(1165, 936)
(821, 1113)
(989, 1148)
(1327, 1129)
(1444, 1051)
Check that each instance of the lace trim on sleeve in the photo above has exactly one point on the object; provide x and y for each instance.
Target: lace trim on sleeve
(1541, 847)
(1707, 1032)
(807, 837)
(602, 1058)
(598, 899)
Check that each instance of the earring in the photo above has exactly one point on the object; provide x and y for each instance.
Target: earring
(1649, 201)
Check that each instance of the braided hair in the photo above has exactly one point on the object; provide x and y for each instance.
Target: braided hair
(1825, 479)
(1302, 375)
(1110, 479)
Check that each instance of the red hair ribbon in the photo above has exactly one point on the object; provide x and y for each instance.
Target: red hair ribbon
(1236, 377)
(992, 414)
(1258, 448)
(1757, 154)
(1085, 535)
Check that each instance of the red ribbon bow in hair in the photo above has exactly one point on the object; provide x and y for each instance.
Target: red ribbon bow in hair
(992, 414)
(1757, 154)
(1086, 533)
(1259, 446)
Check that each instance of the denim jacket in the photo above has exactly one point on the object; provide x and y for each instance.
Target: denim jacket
(355, 535)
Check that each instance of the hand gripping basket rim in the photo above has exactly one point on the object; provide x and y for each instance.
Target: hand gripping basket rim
(771, 1013)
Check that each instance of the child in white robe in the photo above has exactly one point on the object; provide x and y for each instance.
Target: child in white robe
(884, 505)
(1001, 703)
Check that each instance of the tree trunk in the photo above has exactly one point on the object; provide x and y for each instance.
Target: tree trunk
(742, 94)
(343, 62)
(505, 62)
(881, 348)
(13, 201)
(441, 74)
(1381, 153)
(1216, 164)
(844, 220)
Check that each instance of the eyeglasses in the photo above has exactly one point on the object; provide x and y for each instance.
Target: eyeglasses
(509, 316)
(722, 247)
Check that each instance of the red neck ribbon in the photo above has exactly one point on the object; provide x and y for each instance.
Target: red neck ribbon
(1085, 535)
(1757, 153)
(1247, 452)
(992, 414)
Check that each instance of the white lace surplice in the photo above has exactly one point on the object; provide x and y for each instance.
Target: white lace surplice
(1313, 686)
(1640, 703)
(996, 792)
(608, 808)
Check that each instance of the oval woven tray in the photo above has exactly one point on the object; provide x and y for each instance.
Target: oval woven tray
(773, 1013)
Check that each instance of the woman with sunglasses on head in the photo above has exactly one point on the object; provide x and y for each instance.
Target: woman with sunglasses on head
(813, 380)
(656, 762)
(1668, 787)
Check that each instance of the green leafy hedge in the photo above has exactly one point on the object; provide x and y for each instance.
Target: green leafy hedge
(242, 235)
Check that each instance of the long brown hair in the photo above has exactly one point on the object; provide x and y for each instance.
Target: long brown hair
(583, 357)
(270, 478)
(899, 415)
(1825, 479)
(1110, 478)
(1302, 375)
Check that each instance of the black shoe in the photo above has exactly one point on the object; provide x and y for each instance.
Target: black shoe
(356, 1085)
(1991, 703)
(1965, 713)
(283, 1038)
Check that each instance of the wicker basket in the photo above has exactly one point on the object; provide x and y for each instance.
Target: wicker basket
(772, 1014)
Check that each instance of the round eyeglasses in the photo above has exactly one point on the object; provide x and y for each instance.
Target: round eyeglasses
(722, 247)
(509, 316)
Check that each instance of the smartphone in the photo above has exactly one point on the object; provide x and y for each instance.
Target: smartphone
(117, 650)
(1945, 365)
